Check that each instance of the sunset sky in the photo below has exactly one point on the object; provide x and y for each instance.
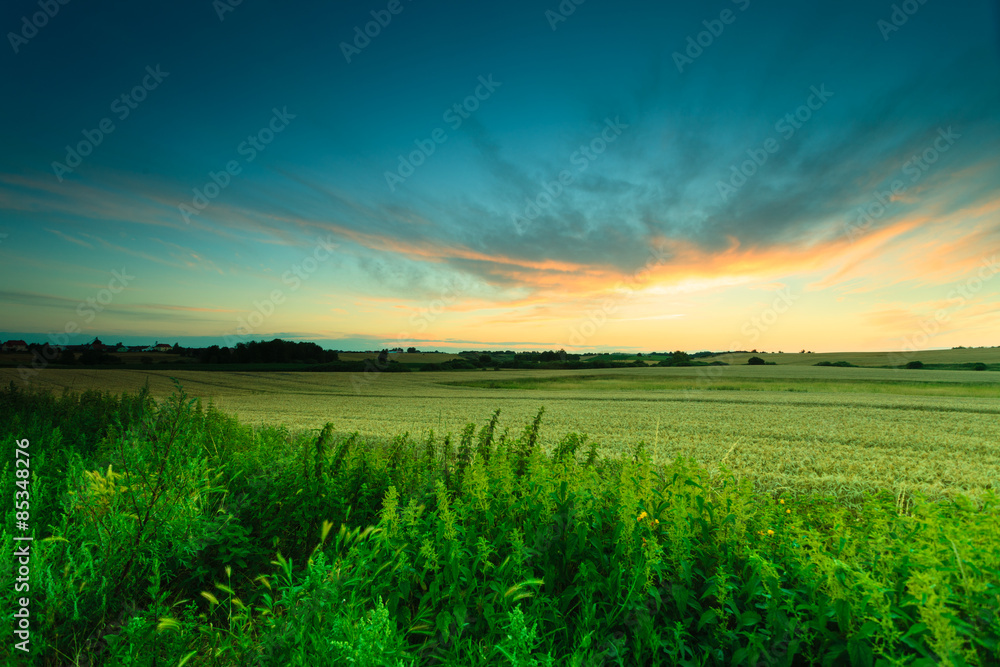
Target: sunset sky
(624, 175)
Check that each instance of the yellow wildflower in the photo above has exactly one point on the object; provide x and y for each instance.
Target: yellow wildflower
(641, 516)
(770, 532)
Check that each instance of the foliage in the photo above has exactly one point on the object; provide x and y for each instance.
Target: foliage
(176, 535)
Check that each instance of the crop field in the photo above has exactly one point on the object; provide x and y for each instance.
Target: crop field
(728, 515)
(841, 431)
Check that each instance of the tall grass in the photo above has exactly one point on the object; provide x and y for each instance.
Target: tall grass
(169, 533)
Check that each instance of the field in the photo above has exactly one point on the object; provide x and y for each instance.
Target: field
(739, 515)
(795, 428)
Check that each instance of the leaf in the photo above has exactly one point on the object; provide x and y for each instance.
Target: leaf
(443, 621)
(860, 653)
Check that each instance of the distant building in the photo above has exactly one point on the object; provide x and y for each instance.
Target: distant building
(15, 346)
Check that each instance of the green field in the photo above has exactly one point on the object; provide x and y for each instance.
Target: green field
(956, 383)
(747, 515)
(951, 358)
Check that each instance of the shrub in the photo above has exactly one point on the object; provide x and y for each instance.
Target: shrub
(915, 364)
(755, 361)
(160, 553)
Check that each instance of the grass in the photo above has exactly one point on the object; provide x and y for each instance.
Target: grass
(953, 357)
(638, 382)
(169, 533)
(836, 443)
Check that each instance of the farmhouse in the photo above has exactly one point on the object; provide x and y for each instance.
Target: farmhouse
(15, 346)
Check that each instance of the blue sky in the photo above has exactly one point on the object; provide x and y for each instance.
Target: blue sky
(627, 175)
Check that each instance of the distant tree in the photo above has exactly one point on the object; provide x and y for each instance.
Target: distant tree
(411, 350)
(383, 357)
(485, 359)
(915, 364)
(755, 361)
(680, 357)
(979, 367)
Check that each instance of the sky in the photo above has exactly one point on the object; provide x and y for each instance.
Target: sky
(584, 174)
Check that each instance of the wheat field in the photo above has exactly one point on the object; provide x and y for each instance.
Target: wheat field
(800, 429)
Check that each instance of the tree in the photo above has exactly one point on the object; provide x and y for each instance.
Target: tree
(755, 361)
(383, 357)
(915, 364)
(411, 350)
(485, 359)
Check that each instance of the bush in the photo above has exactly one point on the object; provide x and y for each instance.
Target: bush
(915, 364)
(755, 361)
(979, 367)
(184, 537)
